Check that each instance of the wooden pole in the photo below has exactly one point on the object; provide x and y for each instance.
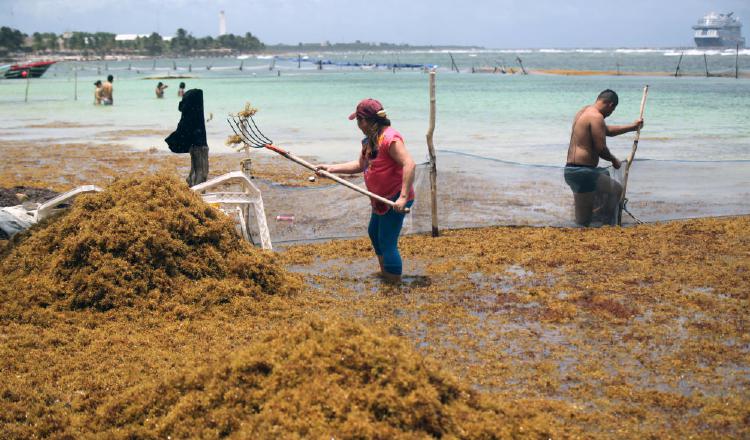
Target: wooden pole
(677, 71)
(520, 63)
(28, 80)
(331, 176)
(453, 63)
(631, 156)
(705, 63)
(737, 62)
(433, 163)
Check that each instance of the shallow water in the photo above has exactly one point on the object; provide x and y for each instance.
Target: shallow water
(521, 120)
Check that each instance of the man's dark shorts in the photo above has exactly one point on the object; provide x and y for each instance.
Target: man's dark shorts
(582, 179)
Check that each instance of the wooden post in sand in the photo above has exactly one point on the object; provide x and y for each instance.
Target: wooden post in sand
(433, 164)
(629, 163)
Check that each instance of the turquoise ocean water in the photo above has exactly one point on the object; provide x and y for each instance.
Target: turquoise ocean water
(514, 118)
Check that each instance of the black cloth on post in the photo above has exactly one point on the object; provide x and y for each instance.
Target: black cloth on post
(191, 130)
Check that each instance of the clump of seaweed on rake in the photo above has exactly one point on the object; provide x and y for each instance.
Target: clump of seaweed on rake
(236, 142)
(247, 112)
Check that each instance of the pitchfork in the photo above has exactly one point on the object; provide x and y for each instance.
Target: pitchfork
(248, 131)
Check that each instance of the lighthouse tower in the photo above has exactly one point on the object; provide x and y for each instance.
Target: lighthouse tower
(222, 24)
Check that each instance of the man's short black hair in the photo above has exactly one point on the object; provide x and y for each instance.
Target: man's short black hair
(110, 78)
(609, 96)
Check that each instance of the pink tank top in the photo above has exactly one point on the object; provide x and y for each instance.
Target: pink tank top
(383, 175)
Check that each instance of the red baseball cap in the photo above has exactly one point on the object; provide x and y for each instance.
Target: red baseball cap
(368, 109)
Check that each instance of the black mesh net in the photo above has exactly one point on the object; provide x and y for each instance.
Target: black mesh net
(476, 191)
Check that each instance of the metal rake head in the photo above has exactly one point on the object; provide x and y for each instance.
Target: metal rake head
(248, 131)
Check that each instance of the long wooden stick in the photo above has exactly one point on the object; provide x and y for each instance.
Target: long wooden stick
(631, 156)
(331, 176)
(737, 62)
(433, 164)
(28, 81)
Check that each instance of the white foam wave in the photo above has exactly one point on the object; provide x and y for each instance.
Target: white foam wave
(631, 51)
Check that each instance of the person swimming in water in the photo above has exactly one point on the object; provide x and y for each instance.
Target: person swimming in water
(160, 89)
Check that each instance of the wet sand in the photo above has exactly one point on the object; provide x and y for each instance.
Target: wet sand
(596, 333)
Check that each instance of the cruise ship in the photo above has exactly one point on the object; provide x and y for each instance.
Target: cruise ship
(719, 31)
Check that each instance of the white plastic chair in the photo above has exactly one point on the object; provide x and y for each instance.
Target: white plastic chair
(219, 192)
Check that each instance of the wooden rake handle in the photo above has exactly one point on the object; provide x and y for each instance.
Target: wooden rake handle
(631, 156)
(331, 176)
(638, 132)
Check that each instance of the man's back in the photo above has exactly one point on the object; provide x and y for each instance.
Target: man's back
(582, 150)
(107, 90)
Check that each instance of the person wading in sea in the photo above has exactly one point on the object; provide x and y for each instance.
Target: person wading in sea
(160, 89)
(389, 172)
(107, 91)
(97, 92)
(588, 143)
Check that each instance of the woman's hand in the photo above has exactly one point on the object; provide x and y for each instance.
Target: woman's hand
(400, 204)
(322, 167)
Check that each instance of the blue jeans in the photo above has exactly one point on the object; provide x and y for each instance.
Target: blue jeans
(384, 231)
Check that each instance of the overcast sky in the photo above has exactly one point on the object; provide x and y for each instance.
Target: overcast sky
(488, 23)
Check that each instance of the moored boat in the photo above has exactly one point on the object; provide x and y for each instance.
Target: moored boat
(33, 70)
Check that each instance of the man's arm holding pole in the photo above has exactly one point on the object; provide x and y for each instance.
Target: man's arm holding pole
(598, 136)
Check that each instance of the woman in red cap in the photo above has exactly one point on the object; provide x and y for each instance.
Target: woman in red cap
(389, 172)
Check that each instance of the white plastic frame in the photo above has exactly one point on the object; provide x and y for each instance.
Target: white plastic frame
(237, 202)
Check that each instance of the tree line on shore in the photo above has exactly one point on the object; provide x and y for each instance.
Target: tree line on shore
(13, 41)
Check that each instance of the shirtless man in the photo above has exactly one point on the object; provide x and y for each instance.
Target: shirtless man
(588, 143)
(106, 93)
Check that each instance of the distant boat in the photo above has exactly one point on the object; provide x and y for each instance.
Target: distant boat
(719, 31)
(34, 70)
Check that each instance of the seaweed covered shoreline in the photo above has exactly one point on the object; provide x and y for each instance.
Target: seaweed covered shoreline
(505, 332)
